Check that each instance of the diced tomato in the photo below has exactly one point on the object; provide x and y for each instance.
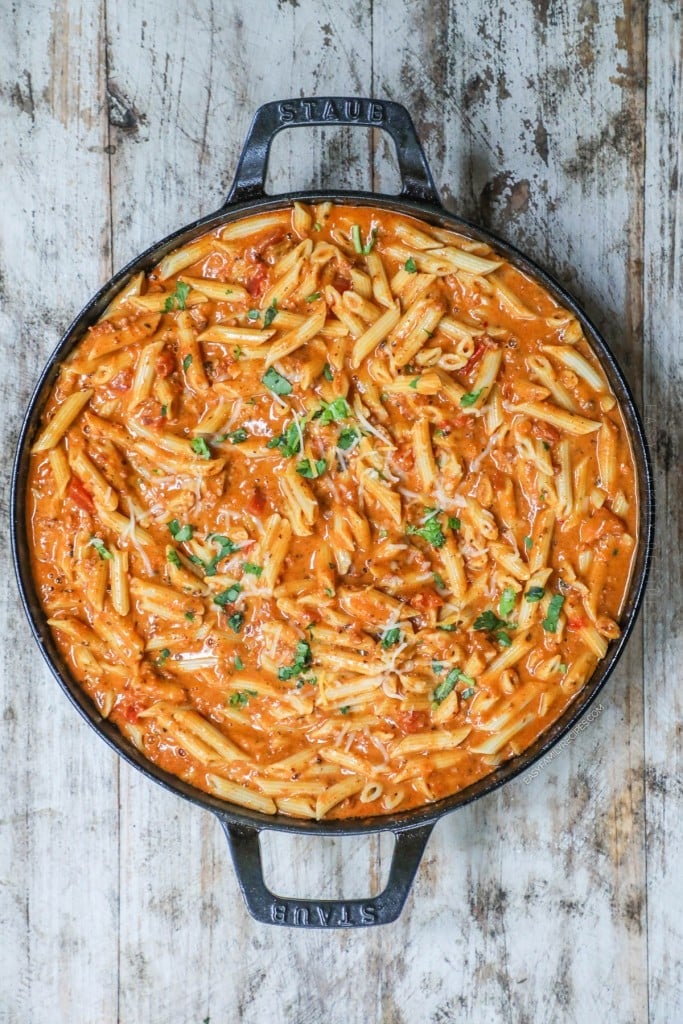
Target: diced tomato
(545, 432)
(602, 523)
(256, 285)
(411, 721)
(80, 497)
(257, 501)
(123, 380)
(131, 713)
(575, 624)
(425, 601)
(474, 358)
(341, 283)
(165, 363)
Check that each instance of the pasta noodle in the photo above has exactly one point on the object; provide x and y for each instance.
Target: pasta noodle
(332, 512)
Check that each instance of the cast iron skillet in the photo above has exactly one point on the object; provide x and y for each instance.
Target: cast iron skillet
(242, 827)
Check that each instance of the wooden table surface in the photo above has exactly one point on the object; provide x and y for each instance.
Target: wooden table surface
(557, 125)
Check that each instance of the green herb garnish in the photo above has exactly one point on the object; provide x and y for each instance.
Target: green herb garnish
(328, 372)
(507, 602)
(236, 621)
(173, 557)
(240, 698)
(200, 448)
(528, 543)
(237, 436)
(347, 438)
(228, 596)
(225, 547)
(302, 660)
(339, 409)
(410, 265)
(454, 523)
(391, 637)
(164, 655)
(270, 313)
(100, 548)
(253, 314)
(534, 594)
(180, 533)
(413, 384)
(358, 243)
(276, 383)
(430, 530)
(470, 398)
(239, 664)
(553, 615)
(311, 468)
(313, 297)
(439, 580)
(446, 686)
(178, 298)
(252, 569)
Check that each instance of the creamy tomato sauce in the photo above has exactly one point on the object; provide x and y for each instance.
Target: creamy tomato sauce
(333, 512)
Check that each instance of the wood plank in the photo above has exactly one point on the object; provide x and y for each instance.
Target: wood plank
(58, 834)
(189, 104)
(664, 603)
(533, 896)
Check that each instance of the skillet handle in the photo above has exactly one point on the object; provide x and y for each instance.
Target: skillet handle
(271, 118)
(266, 907)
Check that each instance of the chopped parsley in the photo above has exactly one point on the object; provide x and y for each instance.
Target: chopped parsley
(490, 622)
(347, 438)
(328, 372)
(446, 627)
(276, 383)
(237, 436)
(251, 569)
(240, 698)
(225, 547)
(391, 637)
(311, 468)
(228, 596)
(413, 384)
(239, 664)
(528, 543)
(173, 557)
(200, 447)
(178, 298)
(164, 411)
(189, 615)
(534, 594)
(507, 602)
(237, 351)
(469, 692)
(553, 615)
(313, 297)
(100, 548)
(454, 523)
(562, 667)
(431, 528)
(446, 685)
(236, 621)
(187, 363)
(180, 533)
(270, 313)
(410, 265)
(339, 409)
(289, 443)
(302, 660)
(164, 655)
(253, 314)
(439, 580)
(470, 398)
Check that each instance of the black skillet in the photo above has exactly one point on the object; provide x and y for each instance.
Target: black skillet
(411, 829)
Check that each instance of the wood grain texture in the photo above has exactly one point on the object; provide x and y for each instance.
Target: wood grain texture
(557, 126)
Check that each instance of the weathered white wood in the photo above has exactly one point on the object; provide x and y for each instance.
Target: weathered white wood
(664, 603)
(554, 899)
(543, 881)
(58, 830)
